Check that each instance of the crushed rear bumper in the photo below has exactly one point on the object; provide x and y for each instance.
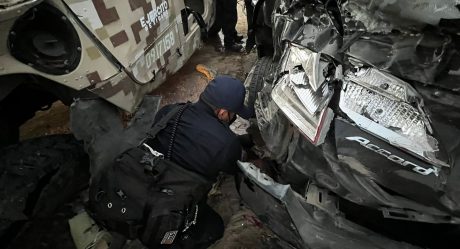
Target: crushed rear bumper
(313, 221)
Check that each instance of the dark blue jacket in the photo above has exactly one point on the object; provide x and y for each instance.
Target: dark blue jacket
(202, 144)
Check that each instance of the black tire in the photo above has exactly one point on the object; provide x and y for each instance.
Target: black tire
(37, 177)
(256, 79)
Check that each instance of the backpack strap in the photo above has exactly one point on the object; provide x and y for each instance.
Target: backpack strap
(173, 134)
(163, 122)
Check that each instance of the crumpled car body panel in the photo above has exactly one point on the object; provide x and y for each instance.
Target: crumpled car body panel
(406, 166)
(311, 222)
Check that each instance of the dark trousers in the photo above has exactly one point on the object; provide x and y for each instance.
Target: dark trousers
(208, 229)
(249, 14)
(251, 41)
(226, 19)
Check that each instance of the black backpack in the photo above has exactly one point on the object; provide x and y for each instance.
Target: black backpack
(144, 195)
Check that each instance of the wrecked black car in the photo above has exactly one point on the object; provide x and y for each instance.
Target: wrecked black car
(357, 103)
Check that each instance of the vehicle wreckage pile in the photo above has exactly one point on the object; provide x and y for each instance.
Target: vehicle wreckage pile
(361, 113)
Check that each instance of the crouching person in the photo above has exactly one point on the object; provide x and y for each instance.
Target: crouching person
(156, 192)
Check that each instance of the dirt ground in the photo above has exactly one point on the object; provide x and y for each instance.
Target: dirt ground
(243, 229)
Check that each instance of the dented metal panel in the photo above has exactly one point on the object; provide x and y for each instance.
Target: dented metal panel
(414, 40)
(385, 15)
(392, 145)
(317, 224)
(309, 26)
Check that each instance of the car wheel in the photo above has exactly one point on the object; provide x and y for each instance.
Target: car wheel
(37, 177)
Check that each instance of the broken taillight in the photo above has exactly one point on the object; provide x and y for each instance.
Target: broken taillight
(391, 109)
(303, 93)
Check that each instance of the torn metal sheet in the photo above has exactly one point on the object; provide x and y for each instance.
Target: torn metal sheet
(421, 57)
(313, 67)
(99, 125)
(273, 125)
(306, 161)
(310, 26)
(385, 15)
(414, 40)
(315, 226)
